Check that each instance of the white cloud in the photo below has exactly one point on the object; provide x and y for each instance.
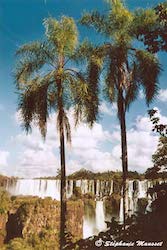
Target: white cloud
(35, 163)
(38, 158)
(142, 143)
(143, 123)
(162, 95)
(108, 109)
(88, 150)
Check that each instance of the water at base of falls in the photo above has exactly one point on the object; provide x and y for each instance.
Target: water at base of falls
(96, 223)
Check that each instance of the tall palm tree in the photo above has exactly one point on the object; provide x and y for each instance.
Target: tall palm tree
(126, 67)
(46, 82)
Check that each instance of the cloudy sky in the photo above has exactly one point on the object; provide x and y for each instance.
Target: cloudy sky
(97, 149)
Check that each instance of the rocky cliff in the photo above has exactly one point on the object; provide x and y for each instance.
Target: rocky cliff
(34, 219)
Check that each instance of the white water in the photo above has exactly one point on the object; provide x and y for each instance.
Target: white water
(100, 216)
(35, 187)
(92, 225)
(121, 216)
(51, 188)
(142, 187)
(88, 228)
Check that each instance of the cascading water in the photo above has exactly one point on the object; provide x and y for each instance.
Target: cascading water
(121, 214)
(136, 189)
(51, 188)
(100, 216)
(142, 189)
(36, 187)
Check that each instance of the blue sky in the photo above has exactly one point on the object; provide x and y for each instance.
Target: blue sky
(21, 22)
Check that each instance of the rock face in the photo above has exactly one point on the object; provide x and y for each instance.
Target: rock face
(3, 220)
(34, 217)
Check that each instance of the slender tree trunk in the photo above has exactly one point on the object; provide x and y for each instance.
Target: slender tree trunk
(63, 192)
(63, 208)
(124, 157)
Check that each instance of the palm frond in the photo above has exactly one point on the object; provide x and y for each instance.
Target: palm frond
(32, 57)
(131, 94)
(97, 21)
(148, 69)
(33, 48)
(83, 51)
(33, 104)
(27, 106)
(67, 128)
(79, 93)
(26, 68)
(63, 34)
(92, 104)
(110, 89)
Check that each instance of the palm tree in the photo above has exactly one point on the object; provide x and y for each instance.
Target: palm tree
(126, 67)
(46, 82)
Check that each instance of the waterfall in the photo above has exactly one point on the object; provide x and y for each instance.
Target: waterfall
(51, 188)
(111, 187)
(100, 216)
(130, 189)
(88, 227)
(94, 220)
(121, 213)
(35, 187)
(142, 189)
(136, 190)
(98, 188)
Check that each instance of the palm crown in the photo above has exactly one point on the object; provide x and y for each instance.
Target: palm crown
(126, 67)
(44, 77)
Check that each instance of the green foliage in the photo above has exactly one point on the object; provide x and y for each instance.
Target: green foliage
(18, 244)
(157, 125)
(112, 204)
(144, 21)
(77, 194)
(63, 34)
(45, 79)
(150, 227)
(159, 158)
(146, 63)
(5, 201)
(108, 175)
(154, 35)
(35, 242)
(45, 240)
(126, 69)
(142, 204)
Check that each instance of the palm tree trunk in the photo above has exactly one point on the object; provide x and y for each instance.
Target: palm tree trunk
(63, 204)
(124, 157)
(63, 192)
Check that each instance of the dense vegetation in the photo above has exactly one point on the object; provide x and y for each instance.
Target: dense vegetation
(159, 158)
(150, 227)
(108, 175)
